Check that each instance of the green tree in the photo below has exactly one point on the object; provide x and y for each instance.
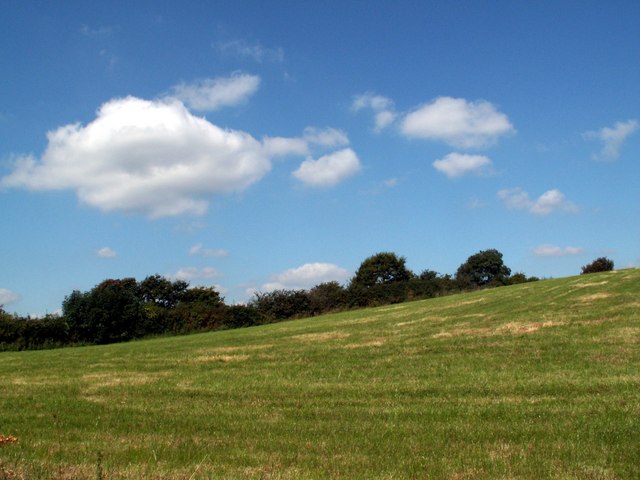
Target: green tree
(161, 291)
(482, 269)
(602, 264)
(381, 269)
(381, 279)
(111, 312)
(326, 297)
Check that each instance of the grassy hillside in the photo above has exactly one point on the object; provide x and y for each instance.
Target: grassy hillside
(532, 381)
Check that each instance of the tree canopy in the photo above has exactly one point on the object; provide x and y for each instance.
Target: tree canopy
(380, 269)
(602, 264)
(484, 268)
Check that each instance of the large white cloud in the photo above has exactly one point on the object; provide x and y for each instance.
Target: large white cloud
(548, 250)
(329, 169)
(457, 164)
(457, 122)
(549, 202)
(306, 276)
(8, 297)
(214, 93)
(149, 157)
(613, 138)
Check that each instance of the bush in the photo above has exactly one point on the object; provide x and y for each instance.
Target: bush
(602, 264)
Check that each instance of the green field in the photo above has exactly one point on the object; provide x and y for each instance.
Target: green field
(539, 380)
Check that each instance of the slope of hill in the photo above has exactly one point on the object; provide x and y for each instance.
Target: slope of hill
(539, 380)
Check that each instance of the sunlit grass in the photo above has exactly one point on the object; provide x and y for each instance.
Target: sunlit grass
(539, 380)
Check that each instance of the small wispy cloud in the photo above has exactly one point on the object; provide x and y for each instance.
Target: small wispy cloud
(548, 250)
(190, 274)
(612, 138)
(253, 51)
(97, 32)
(549, 202)
(324, 138)
(199, 250)
(8, 297)
(214, 93)
(382, 107)
(306, 276)
(456, 165)
(106, 252)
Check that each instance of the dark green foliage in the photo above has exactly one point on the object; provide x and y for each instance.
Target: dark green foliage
(381, 279)
(327, 297)
(18, 333)
(282, 304)
(381, 269)
(239, 316)
(114, 312)
(520, 277)
(431, 284)
(602, 264)
(121, 310)
(201, 308)
(485, 268)
(161, 291)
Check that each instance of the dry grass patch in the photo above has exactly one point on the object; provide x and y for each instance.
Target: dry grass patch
(594, 296)
(463, 303)
(102, 380)
(420, 320)
(591, 284)
(221, 358)
(511, 328)
(627, 335)
(235, 348)
(319, 337)
(371, 343)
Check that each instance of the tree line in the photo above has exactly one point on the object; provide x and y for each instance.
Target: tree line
(118, 310)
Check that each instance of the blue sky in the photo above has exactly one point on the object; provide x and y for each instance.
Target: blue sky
(261, 145)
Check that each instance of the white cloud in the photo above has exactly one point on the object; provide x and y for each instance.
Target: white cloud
(189, 274)
(549, 202)
(325, 137)
(106, 252)
(306, 276)
(328, 170)
(199, 250)
(312, 136)
(255, 51)
(284, 146)
(457, 122)
(214, 93)
(547, 250)
(457, 164)
(8, 297)
(382, 107)
(149, 157)
(613, 138)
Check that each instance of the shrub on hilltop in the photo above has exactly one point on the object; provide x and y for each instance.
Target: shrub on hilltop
(602, 264)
